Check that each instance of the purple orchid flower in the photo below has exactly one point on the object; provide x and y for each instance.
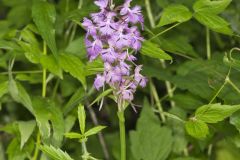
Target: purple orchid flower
(110, 34)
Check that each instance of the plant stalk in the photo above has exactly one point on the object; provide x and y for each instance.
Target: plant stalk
(208, 43)
(149, 13)
(85, 152)
(122, 134)
(44, 87)
(158, 102)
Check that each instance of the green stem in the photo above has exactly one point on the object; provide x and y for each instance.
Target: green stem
(44, 86)
(220, 89)
(164, 31)
(149, 12)
(80, 3)
(84, 150)
(208, 44)
(223, 85)
(158, 102)
(122, 134)
(21, 72)
(233, 85)
(168, 86)
(36, 152)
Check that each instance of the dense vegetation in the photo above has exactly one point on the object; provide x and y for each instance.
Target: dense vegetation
(189, 109)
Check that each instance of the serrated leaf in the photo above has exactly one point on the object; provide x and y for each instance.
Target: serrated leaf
(73, 135)
(81, 118)
(152, 50)
(103, 94)
(211, 6)
(197, 128)
(152, 136)
(175, 13)
(19, 94)
(94, 130)
(55, 153)
(45, 112)
(49, 62)
(213, 113)
(214, 22)
(44, 16)
(3, 88)
(26, 129)
(73, 65)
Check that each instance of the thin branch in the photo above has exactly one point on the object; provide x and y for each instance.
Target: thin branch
(100, 134)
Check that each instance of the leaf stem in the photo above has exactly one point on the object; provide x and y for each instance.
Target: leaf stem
(22, 72)
(122, 133)
(164, 31)
(229, 81)
(158, 102)
(223, 85)
(208, 43)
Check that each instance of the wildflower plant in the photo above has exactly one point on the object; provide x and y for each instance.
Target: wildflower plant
(177, 59)
(111, 34)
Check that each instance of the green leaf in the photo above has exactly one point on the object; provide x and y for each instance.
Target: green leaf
(50, 63)
(81, 118)
(214, 22)
(94, 130)
(16, 153)
(212, 7)
(73, 65)
(197, 128)
(26, 129)
(187, 101)
(94, 67)
(103, 94)
(143, 139)
(55, 153)
(213, 113)
(175, 13)
(152, 50)
(30, 45)
(235, 120)
(73, 135)
(3, 88)
(177, 44)
(44, 16)
(9, 45)
(19, 94)
(45, 112)
(78, 14)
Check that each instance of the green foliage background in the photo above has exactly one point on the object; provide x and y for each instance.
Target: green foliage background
(189, 110)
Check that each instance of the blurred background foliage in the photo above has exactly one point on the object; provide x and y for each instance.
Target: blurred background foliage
(193, 81)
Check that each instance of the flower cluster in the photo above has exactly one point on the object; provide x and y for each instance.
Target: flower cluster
(110, 33)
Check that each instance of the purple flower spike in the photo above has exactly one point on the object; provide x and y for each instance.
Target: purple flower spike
(110, 34)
